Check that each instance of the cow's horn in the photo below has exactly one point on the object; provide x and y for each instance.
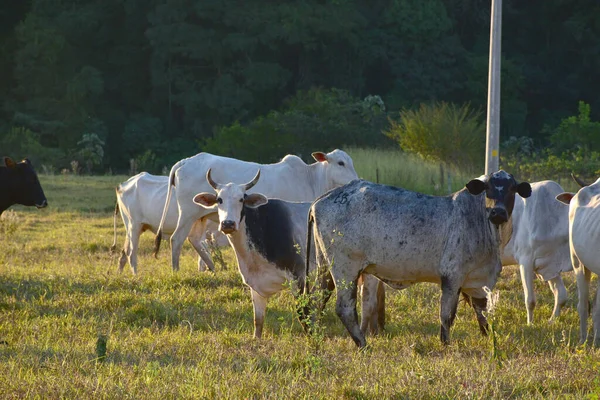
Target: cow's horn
(212, 183)
(248, 185)
(579, 181)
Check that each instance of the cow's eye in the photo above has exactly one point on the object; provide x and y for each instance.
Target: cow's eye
(341, 163)
(220, 200)
(241, 200)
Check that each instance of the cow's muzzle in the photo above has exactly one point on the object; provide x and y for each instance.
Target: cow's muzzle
(43, 205)
(227, 226)
(498, 215)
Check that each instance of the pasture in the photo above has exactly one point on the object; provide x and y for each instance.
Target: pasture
(71, 326)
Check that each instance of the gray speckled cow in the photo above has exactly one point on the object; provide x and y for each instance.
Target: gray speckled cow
(403, 237)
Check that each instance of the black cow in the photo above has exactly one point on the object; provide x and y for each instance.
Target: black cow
(19, 184)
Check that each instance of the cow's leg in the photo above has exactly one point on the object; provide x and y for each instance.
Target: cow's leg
(184, 225)
(135, 232)
(449, 303)
(583, 277)
(371, 294)
(122, 260)
(480, 306)
(196, 238)
(560, 295)
(527, 280)
(596, 317)
(345, 307)
(381, 305)
(260, 308)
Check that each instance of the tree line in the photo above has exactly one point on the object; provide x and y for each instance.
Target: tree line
(159, 80)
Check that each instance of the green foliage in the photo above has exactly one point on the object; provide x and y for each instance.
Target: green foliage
(575, 148)
(576, 132)
(91, 150)
(188, 69)
(317, 119)
(442, 132)
(20, 142)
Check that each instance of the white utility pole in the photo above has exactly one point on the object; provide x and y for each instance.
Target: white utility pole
(493, 108)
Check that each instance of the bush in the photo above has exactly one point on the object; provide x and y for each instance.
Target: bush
(576, 132)
(442, 132)
(21, 143)
(317, 119)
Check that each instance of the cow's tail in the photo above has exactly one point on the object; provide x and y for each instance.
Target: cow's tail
(114, 245)
(170, 184)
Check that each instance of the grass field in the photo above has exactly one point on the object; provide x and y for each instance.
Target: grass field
(189, 335)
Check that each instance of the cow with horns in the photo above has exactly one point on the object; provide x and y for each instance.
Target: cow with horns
(403, 237)
(267, 235)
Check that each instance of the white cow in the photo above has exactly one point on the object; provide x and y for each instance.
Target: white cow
(540, 243)
(138, 201)
(584, 240)
(290, 179)
(267, 235)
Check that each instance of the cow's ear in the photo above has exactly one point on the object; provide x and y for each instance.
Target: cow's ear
(319, 156)
(565, 197)
(205, 200)
(255, 200)
(476, 186)
(9, 162)
(524, 189)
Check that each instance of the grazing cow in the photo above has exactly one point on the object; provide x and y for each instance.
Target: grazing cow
(290, 179)
(540, 243)
(268, 237)
(138, 201)
(584, 237)
(403, 237)
(19, 184)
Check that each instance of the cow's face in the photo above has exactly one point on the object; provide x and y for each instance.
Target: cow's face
(339, 168)
(500, 189)
(230, 200)
(25, 186)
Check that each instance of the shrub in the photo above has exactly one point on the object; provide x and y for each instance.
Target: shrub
(317, 119)
(442, 132)
(576, 132)
(21, 142)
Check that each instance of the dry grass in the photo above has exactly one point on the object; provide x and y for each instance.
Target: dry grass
(188, 335)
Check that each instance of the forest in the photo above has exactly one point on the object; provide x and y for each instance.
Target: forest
(104, 82)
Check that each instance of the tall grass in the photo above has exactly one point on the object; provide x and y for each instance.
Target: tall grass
(72, 327)
(398, 168)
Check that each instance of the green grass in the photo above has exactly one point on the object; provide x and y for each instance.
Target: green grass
(189, 334)
(394, 167)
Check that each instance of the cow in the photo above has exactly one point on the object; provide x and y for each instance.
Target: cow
(268, 237)
(19, 184)
(540, 243)
(404, 237)
(138, 201)
(584, 237)
(290, 179)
